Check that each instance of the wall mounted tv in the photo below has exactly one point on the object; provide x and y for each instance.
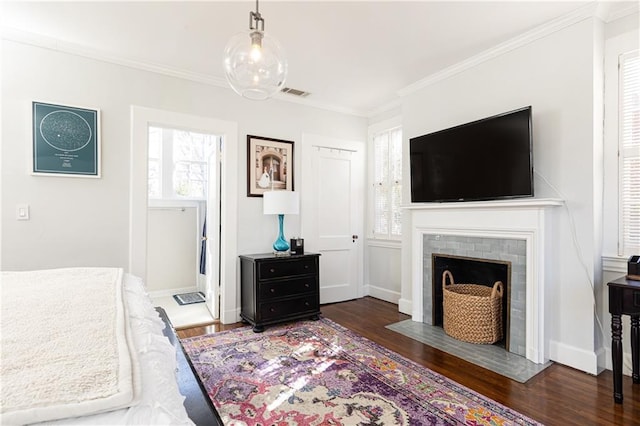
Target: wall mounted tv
(487, 159)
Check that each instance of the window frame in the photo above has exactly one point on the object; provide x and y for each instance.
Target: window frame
(167, 163)
(622, 39)
(623, 153)
(375, 129)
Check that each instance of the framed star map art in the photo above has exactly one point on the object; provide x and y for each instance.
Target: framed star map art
(66, 140)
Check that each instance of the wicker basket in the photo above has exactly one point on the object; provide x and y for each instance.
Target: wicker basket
(472, 312)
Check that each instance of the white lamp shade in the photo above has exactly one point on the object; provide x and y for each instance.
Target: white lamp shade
(281, 202)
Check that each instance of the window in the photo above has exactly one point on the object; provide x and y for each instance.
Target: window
(387, 183)
(629, 157)
(179, 163)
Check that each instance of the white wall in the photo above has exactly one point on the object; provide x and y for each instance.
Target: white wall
(172, 248)
(383, 270)
(83, 222)
(555, 75)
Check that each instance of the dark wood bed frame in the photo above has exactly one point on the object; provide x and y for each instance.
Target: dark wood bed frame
(197, 402)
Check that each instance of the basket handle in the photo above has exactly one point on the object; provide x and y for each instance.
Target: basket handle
(446, 274)
(497, 289)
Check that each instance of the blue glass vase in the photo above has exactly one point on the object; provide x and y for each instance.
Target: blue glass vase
(281, 244)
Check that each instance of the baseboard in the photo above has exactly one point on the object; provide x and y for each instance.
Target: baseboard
(382, 294)
(626, 361)
(584, 360)
(404, 306)
(571, 356)
(171, 291)
(230, 316)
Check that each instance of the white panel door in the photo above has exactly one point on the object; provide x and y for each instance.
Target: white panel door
(333, 215)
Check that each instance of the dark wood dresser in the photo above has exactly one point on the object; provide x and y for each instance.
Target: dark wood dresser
(275, 289)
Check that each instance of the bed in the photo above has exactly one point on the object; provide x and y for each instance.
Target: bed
(86, 346)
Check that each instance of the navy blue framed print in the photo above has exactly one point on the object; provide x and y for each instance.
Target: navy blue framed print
(66, 140)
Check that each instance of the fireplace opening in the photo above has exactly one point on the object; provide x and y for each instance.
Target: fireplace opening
(470, 270)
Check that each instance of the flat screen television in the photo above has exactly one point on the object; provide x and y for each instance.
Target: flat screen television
(487, 159)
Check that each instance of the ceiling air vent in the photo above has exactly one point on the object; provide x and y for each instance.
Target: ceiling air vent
(295, 92)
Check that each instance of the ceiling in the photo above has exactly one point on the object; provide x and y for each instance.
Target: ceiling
(350, 55)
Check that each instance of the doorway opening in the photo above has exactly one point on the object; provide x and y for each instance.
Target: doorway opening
(183, 202)
(225, 303)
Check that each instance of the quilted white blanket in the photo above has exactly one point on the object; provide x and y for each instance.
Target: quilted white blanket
(66, 350)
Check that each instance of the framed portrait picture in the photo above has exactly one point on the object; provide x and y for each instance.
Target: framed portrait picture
(269, 165)
(66, 140)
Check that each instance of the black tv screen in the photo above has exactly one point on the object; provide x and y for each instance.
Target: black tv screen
(487, 159)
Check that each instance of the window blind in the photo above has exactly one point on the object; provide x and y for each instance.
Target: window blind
(629, 134)
(380, 182)
(387, 184)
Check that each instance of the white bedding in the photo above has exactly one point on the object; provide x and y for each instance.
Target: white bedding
(108, 378)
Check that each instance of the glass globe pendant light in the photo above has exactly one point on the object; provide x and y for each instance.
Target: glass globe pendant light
(254, 63)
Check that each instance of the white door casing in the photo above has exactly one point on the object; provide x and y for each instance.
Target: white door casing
(141, 118)
(212, 242)
(332, 213)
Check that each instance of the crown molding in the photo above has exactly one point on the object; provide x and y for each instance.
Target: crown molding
(39, 40)
(628, 9)
(600, 9)
(544, 30)
(384, 108)
(320, 105)
(45, 42)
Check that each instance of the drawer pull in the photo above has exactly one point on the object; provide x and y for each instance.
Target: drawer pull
(272, 309)
(307, 285)
(272, 290)
(306, 303)
(306, 266)
(272, 270)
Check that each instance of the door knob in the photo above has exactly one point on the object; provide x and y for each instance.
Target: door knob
(354, 238)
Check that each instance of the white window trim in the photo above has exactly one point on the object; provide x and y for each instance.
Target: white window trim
(374, 129)
(622, 249)
(612, 258)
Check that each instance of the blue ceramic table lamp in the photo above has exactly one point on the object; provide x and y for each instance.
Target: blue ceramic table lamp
(281, 203)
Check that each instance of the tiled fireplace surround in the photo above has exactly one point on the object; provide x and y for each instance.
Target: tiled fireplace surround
(516, 231)
(503, 249)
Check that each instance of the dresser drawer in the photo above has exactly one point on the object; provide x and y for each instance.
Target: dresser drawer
(290, 287)
(283, 308)
(286, 268)
(631, 301)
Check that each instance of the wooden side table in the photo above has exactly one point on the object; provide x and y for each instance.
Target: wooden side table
(624, 299)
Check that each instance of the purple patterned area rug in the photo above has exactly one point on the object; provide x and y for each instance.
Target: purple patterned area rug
(320, 373)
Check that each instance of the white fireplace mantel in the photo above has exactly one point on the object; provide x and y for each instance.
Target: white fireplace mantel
(527, 219)
(516, 203)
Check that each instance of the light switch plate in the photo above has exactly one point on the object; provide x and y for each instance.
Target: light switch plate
(22, 212)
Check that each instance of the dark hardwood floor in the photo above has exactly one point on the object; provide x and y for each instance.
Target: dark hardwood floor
(557, 396)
